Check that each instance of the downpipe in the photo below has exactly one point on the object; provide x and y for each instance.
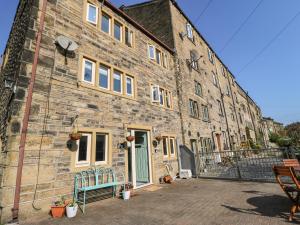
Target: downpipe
(15, 209)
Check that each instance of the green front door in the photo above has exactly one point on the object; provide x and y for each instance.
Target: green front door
(141, 158)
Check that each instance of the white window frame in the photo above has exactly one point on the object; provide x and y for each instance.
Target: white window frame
(121, 81)
(154, 52)
(129, 36)
(167, 145)
(210, 56)
(172, 139)
(93, 71)
(109, 23)
(162, 96)
(165, 60)
(87, 162)
(156, 89)
(189, 31)
(168, 96)
(132, 85)
(158, 57)
(215, 79)
(106, 149)
(87, 13)
(108, 76)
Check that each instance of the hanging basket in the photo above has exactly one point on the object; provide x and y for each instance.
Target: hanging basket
(75, 136)
(158, 138)
(130, 138)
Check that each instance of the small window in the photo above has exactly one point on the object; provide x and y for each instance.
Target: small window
(189, 31)
(105, 23)
(117, 81)
(220, 108)
(223, 71)
(198, 88)
(128, 37)
(92, 14)
(84, 150)
(165, 147)
(205, 113)
(155, 93)
(161, 96)
(151, 52)
(193, 108)
(215, 79)
(168, 99)
(158, 56)
(172, 146)
(118, 31)
(88, 71)
(165, 60)
(104, 74)
(210, 56)
(194, 61)
(129, 86)
(227, 90)
(101, 148)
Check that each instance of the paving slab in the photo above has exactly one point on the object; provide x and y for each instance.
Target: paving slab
(190, 202)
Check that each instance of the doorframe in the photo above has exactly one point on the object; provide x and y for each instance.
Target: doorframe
(147, 130)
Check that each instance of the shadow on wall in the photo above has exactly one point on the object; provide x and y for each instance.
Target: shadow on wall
(267, 205)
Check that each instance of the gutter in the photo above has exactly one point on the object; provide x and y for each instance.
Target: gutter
(15, 209)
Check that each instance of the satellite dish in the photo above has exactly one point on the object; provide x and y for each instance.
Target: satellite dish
(66, 43)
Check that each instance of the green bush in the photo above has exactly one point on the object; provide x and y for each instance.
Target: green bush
(284, 142)
(273, 137)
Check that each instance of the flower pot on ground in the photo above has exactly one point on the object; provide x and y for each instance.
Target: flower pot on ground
(71, 209)
(58, 209)
(126, 193)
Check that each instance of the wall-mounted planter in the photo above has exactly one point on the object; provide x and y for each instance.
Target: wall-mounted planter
(130, 138)
(75, 136)
(158, 138)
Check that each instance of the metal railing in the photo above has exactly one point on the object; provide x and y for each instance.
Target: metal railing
(243, 164)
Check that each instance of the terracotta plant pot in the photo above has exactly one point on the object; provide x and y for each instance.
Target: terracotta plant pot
(168, 179)
(75, 136)
(58, 211)
(130, 138)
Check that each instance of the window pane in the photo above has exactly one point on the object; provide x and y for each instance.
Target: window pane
(82, 151)
(88, 71)
(105, 23)
(128, 37)
(129, 86)
(158, 56)
(161, 97)
(117, 81)
(151, 52)
(100, 147)
(117, 31)
(172, 146)
(104, 77)
(165, 146)
(92, 13)
(155, 93)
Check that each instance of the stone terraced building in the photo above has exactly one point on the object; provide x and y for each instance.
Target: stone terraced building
(142, 70)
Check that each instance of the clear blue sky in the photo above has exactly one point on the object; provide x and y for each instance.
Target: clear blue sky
(273, 80)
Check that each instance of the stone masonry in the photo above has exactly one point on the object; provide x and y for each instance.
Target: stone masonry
(60, 95)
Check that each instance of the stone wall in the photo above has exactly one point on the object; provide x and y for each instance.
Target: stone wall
(59, 96)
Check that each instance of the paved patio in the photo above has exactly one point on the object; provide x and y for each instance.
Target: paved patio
(189, 202)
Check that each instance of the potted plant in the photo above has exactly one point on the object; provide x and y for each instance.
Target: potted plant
(158, 138)
(126, 192)
(75, 136)
(58, 209)
(130, 138)
(71, 209)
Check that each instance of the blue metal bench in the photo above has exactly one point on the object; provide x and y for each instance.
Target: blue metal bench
(93, 179)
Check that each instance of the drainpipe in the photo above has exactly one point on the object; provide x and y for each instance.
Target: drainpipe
(15, 209)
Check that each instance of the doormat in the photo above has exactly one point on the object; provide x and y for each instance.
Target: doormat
(152, 188)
